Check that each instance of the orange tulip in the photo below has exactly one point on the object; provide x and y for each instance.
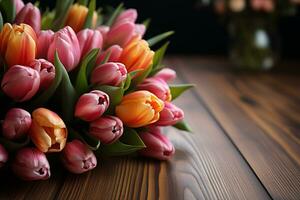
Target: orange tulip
(18, 44)
(139, 109)
(48, 131)
(77, 15)
(136, 55)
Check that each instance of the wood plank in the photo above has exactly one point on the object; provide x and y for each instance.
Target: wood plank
(251, 118)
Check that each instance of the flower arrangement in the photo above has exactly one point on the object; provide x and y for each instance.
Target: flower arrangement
(80, 83)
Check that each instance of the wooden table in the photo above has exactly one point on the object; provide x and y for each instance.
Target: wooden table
(245, 145)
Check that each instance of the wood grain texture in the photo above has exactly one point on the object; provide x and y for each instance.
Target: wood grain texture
(263, 122)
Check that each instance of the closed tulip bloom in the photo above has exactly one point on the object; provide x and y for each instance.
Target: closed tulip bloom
(66, 44)
(114, 51)
(89, 39)
(31, 164)
(90, 106)
(166, 74)
(109, 74)
(103, 30)
(158, 87)
(48, 131)
(30, 15)
(170, 115)
(136, 55)
(140, 29)
(78, 158)
(139, 109)
(158, 146)
(20, 83)
(19, 4)
(3, 156)
(46, 70)
(16, 123)
(127, 15)
(107, 129)
(44, 40)
(77, 15)
(20, 45)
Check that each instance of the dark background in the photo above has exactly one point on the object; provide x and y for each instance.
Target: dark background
(197, 28)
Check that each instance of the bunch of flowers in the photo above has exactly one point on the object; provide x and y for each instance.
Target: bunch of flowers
(81, 84)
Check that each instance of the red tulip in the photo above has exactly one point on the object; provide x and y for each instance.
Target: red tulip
(20, 83)
(16, 123)
(90, 106)
(31, 164)
(89, 39)
(170, 115)
(3, 156)
(107, 129)
(46, 70)
(157, 145)
(78, 158)
(44, 40)
(30, 15)
(158, 87)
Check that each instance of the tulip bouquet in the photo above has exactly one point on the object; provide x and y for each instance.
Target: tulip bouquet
(81, 83)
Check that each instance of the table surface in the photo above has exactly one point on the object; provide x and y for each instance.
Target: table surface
(245, 145)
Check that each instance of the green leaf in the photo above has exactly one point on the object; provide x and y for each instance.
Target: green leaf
(89, 18)
(1, 22)
(154, 40)
(140, 78)
(129, 143)
(47, 94)
(158, 57)
(8, 10)
(92, 142)
(182, 125)
(47, 20)
(13, 146)
(106, 58)
(147, 23)
(83, 2)
(61, 11)
(115, 14)
(177, 90)
(82, 84)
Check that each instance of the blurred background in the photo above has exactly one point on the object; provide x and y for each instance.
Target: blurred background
(200, 30)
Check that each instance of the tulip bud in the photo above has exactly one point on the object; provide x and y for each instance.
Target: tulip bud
(107, 129)
(20, 83)
(78, 158)
(158, 87)
(103, 30)
(114, 54)
(31, 164)
(48, 131)
(66, 44)
(3, 156)
(44, 40)
(109, 74)
(30, 15)
(77, 15)
(129, 15)
(16, 123)
(136, 55)
(19, 4)
(166, 74)
(90, 106)
(139, 109)
(170, 115)
(158, 146)
(18, 44)
(46, 70)
(89, 39)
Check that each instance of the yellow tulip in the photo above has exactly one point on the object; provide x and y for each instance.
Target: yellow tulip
(137, 55)
(139, 109)
(77, 15)
(48, 131)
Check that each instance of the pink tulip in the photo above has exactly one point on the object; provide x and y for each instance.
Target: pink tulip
(166, 74)
(31, 164)
(107, 129)
(90, 106)
(78, 158)
(16, 123)
(140, 29)
(20, 83)
(115, 53)
(158, 146)
(3, 156)
(109, 74)
(129, 15)
(19, 4)
(170, 115)
(30, 15)
(103, 30)
(89, 39)
(120, 34)
(66, 44)
(44, 40)
(158, 87)
(46, 70)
